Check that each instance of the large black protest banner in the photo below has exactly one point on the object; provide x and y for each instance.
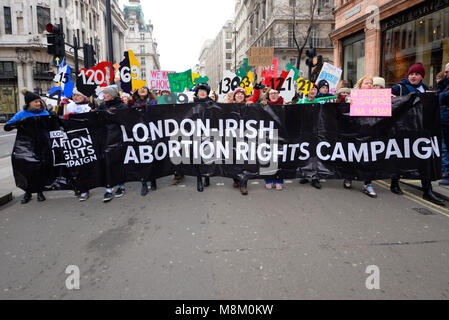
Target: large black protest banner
(232, 140)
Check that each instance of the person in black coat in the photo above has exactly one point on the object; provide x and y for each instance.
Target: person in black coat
(414, 83)
(202, 91)
(112, 102)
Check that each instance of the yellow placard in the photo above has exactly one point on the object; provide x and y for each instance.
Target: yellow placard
(304, 85)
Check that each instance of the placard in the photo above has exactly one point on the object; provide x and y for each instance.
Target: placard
(331, 74)
(371, 103)
(159, 80)
(260, 56)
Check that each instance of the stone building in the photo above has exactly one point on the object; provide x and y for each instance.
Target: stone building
(24, 61)
(271, 23)
(139, 39)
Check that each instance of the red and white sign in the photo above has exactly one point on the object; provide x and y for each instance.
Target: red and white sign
(268, 71)
(159, 79)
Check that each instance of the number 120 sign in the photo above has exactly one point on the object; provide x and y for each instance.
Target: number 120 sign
(98, 76)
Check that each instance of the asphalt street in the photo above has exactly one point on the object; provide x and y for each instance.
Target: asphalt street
(177, 243)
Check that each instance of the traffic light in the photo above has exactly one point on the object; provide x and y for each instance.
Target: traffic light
(310, 53)
(89, 56)
(55, 40)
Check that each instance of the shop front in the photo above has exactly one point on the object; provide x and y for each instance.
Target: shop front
(414, 36)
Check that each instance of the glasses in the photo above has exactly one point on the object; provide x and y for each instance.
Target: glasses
(274, 92)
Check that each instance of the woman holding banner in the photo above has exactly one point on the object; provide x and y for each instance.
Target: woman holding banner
(366, 83)
(33, 108)
(273, 97)
(202, 91)
(140, 99)
(239, 96)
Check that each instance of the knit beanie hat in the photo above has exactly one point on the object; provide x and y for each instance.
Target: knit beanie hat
(343, 90)
(29, 96)
(112, 90)
(418, 68)
(378, 81)
(75, 91)
(239, 89)
(323, 83)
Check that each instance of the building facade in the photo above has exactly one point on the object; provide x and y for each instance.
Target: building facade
(274, 23)
(216, 55)
(139, 39)
(385, 37)
(24, 61)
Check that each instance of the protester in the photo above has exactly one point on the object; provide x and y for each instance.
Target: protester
(414, 83)
(141, 99)
(79, 104)
(365, 83)
(378, 83)
(342, 94)
(443, 97)
(112, 102)
(343, 84)
(323, 89)
(33, 108)
(239, 96)
(273, 97)
(202, 91)
(311, 97)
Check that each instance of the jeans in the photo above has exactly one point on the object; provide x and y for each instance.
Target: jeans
(275, 181)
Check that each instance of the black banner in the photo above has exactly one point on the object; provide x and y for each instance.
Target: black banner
(103, 149)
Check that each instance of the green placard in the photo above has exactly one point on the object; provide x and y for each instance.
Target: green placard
(180, 81)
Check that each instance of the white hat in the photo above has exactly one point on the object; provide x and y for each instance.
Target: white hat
(378, 81)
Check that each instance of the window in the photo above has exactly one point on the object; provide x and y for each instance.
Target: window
(90, 21)
(7, 15)
(142, 49)
(76, 9)
(43, 17)
(228, 35)
(142, 61)
(293, 62)
(60, 3)
(228, 66)
(228, 55)
(82, 12)
(142, 36)
(292, 3)
(425, 40)
(354, 58)
(228, 45)
(324, 4)
(42, 67)
(131, 28)
(291, 40)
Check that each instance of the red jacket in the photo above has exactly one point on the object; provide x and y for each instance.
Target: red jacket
(256, 96)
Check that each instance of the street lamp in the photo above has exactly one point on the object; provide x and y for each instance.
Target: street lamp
(235, 32)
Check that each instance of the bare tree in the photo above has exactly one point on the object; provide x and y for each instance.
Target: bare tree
(305, 38)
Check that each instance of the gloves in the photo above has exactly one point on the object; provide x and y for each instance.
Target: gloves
(258, 86)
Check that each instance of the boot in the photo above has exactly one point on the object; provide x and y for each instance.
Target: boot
(144, 189)
(40, 197)
(394, 188)
(244, 191)
(199, 184)
(316, 183)
(206, 181)
(26, 198)
(236, 183)
(153, 185)
(430, 196)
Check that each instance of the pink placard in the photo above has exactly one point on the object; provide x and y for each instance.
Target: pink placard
(159, 80)
(371, 103)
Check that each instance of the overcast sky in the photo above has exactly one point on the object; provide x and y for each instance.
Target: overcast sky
(182, 26)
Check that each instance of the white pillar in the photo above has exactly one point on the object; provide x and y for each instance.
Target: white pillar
(20, 83)
(29, 75)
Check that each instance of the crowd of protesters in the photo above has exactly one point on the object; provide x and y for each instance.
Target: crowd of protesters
(113, 99)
